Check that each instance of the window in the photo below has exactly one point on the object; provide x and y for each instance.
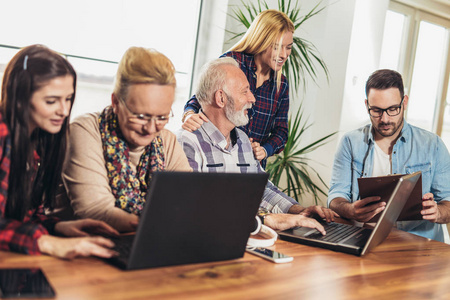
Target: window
(429, 63)
(392, 40)
(95, 34)
(415, 43)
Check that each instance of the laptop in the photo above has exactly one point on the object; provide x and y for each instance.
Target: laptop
(383, 186)
(353, 239)
(192, 218)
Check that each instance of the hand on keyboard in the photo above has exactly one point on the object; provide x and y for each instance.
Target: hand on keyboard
(321, 212)
(287, 221)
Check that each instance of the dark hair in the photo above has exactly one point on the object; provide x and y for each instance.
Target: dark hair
(29, 70)
(383, 80)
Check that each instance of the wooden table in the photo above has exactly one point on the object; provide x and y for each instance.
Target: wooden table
(405, 266)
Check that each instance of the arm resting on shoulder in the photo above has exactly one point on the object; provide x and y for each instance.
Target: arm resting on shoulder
(191, 119)
(192, 105)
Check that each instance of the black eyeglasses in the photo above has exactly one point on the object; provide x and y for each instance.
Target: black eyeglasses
(391, 111)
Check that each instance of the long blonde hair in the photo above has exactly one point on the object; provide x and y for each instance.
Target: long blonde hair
(141, 65)
(266, 30)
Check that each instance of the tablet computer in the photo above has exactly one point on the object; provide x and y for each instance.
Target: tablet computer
(383, 186)
(24, 283)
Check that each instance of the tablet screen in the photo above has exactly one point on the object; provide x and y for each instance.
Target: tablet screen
(383, 186)
(24, 283)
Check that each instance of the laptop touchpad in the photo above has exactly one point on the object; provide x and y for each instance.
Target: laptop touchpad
(303, 231)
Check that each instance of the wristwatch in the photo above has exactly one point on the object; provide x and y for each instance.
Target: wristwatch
(262, 214)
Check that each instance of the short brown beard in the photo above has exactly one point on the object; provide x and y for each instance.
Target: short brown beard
(395, 131)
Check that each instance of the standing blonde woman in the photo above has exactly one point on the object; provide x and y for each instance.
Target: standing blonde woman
(261, 54)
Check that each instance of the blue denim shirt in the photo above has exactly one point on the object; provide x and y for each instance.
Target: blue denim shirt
(415, 150)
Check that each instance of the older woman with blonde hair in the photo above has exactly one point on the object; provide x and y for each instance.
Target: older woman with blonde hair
(113, 154)
(261, 54)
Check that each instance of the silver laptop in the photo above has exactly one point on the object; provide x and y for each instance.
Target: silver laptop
(192, 218)
(353, 239)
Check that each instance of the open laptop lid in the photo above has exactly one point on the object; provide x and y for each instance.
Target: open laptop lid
(383, 186)
(402, 191)
(196, 217)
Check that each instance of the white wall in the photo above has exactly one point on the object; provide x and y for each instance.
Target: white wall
(348, 35)
(330, 31)
(347, 94)
(351, 46)
(365, 52)
(211, 34)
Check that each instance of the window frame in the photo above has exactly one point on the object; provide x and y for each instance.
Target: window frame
(414, 16)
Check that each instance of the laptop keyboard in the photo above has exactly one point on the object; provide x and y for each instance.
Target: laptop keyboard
(335, 232)
(122, 245)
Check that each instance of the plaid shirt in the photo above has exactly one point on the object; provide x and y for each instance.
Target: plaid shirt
(16, 235)
(269, 116)
(206, 152)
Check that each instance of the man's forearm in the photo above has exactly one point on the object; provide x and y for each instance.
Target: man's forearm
(444, 212)
(342, 207)
(296, 209)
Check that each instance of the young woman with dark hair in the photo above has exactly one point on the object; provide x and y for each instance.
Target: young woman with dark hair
(38, 91)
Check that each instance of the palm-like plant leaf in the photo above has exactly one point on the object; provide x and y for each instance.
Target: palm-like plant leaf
(293, 163)
(304, 57)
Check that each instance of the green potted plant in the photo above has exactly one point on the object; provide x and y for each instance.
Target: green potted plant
(293, 163)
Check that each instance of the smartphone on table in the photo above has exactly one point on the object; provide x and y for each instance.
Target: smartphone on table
(268, 254)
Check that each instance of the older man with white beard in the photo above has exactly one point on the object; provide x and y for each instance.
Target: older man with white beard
(219, 146)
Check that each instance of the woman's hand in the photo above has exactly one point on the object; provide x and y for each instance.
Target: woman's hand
(194, 121)
(258, 151)
(84, 228)
(69, 248)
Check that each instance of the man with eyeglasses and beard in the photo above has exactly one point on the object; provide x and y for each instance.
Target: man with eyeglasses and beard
(389, 145)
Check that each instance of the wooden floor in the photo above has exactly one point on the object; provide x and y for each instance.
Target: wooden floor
(403, 267)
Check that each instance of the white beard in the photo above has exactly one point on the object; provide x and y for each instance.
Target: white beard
(238, 118)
